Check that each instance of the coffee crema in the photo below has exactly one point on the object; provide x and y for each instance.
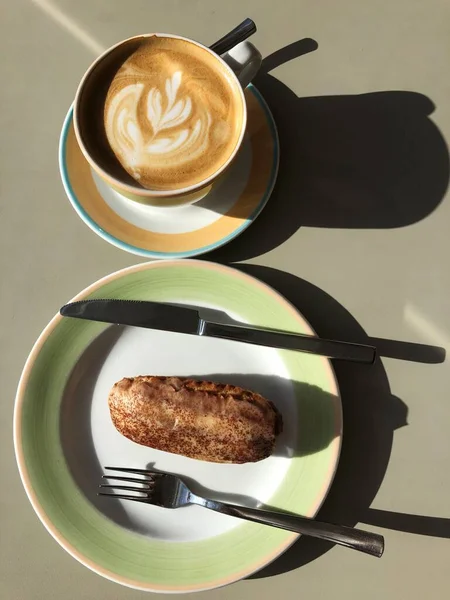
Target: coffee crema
(173, 115)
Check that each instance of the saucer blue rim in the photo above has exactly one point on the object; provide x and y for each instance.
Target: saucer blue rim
(168, 255)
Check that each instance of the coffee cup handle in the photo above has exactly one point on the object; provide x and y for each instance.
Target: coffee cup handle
(245, 60)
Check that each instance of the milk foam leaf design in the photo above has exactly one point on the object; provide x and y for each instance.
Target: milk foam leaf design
(161, 145)
(154, 108)
(125, 134)
(177, 134)
(175, 113)
(172, 86)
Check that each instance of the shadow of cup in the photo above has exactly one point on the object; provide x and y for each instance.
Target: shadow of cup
(373, 160)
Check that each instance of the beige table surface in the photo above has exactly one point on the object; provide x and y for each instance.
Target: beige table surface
(359, 225)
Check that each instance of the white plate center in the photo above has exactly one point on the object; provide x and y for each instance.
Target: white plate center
(91, 442)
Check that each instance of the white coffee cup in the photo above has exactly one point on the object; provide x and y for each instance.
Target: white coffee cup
(241, 64)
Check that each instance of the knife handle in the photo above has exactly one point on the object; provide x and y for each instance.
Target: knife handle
(291, 341)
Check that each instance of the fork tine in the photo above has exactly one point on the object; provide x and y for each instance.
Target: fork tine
(136, 471)
(147, 482)
(124, 497)
(127, 488)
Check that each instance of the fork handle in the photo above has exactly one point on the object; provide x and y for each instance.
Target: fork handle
(356, 539)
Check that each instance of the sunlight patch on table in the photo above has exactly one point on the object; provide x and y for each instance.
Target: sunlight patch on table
(70, 25)
(425, 327)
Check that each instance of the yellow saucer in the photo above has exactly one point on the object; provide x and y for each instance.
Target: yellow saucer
(178, 232)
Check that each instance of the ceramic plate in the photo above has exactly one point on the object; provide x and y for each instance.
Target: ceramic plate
(64, 436)
(186, 231)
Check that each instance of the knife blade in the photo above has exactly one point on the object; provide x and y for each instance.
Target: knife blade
(181, 319)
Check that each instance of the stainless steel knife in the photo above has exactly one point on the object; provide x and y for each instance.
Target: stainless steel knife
(181, 319)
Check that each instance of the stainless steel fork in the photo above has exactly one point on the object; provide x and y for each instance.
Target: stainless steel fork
(169, 491)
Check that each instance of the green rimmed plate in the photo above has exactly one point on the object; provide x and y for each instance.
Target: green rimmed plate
(63, 435)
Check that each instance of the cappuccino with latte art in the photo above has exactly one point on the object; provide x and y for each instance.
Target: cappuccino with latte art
(160, 118)
(172, 116)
